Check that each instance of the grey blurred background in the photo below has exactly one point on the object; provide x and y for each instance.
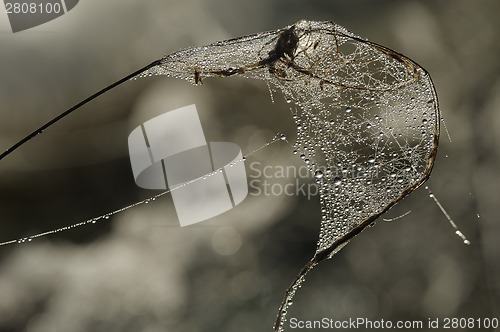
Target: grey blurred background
(140, 271)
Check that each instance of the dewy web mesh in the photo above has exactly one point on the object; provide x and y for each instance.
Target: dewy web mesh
(367, 118)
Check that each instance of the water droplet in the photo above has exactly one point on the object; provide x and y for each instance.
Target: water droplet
(318, 174)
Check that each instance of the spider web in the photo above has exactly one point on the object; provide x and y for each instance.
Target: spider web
(367, 117)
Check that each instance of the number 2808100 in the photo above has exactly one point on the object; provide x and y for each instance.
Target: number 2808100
(480, 323)
(32, 8)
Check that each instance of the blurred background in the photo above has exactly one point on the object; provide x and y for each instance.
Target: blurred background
(139, 271)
